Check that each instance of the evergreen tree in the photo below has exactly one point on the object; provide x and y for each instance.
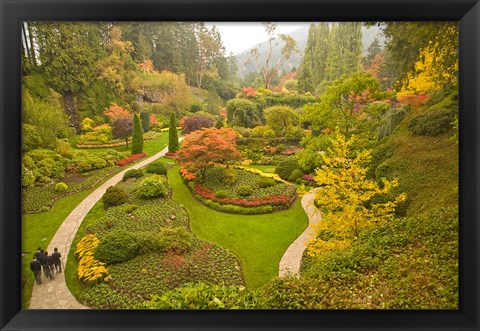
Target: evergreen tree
(305, 79)
(145, 117)
(320, 52)
(137, 139)
(345, 50)
(172, 134)
(372, 51)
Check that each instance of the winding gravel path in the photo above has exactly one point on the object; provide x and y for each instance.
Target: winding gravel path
(54, 294)
(291, 260)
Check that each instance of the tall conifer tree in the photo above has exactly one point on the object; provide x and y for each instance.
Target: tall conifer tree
(172, 134)
(137, 139)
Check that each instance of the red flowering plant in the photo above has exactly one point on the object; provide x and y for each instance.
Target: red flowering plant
(187, 171)
(273, 200)
(131, 158)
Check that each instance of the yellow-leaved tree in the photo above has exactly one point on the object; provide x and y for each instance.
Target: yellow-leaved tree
(344, 197)
(427, 76)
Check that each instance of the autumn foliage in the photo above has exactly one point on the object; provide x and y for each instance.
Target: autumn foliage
(345, 195)
(204, 147)
(249, 92)
(115, 112)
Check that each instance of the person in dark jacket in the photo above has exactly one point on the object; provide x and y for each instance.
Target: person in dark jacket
(38, 253)
(50, 264)
(45, 261)
(36, 267)
(56, 260)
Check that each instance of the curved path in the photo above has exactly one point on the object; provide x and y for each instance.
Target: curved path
(292, 258)
(54, 294)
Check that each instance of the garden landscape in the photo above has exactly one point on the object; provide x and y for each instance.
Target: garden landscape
(316, 169)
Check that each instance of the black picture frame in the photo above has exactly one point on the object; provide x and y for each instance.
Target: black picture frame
(466, 12)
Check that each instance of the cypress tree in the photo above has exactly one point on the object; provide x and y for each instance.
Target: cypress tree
(145, 118)
(137, 139)
(172, 134)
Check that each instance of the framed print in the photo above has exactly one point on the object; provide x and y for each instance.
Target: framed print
(240, 165)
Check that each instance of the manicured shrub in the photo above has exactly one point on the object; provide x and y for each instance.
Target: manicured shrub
(84, 162)
(156, 168)
(137, 138)
(44, 165)
(129, 208)
(285, 168)
(257, 132)
(116, 247)
(432, 124)
(296, 174)
(151, 188)
(221, 194)
(114, 196)
(61, 187)
(196, 107)
(266, 182)
(178, 239)
(172, 135)
(101, 133)
(230, 176)
(244, 190)
(132, 173)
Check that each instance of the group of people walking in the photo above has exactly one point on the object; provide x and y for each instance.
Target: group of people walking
(49, 263)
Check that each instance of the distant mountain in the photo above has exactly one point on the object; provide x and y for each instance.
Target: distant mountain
(300, 35)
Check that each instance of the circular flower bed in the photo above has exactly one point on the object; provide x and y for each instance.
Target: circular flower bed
(243, 190)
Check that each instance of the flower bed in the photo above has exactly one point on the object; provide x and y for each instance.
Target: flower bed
(89, 270)
(152, 216)
(137, 280)
(151, 273)
(273, 200)
(217, 192)
(132, 158)
(41, 198)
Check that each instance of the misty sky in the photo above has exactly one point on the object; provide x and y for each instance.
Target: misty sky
(239, 36)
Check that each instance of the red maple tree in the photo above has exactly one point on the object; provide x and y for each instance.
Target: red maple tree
(205, 147)
(115, 112)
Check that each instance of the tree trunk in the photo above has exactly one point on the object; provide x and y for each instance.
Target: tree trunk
(32, 48)
(71, 111)
(25, 43)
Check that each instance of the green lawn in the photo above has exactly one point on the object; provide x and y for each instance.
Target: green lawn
(265, 168)
(258, 240)
(150, 147)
